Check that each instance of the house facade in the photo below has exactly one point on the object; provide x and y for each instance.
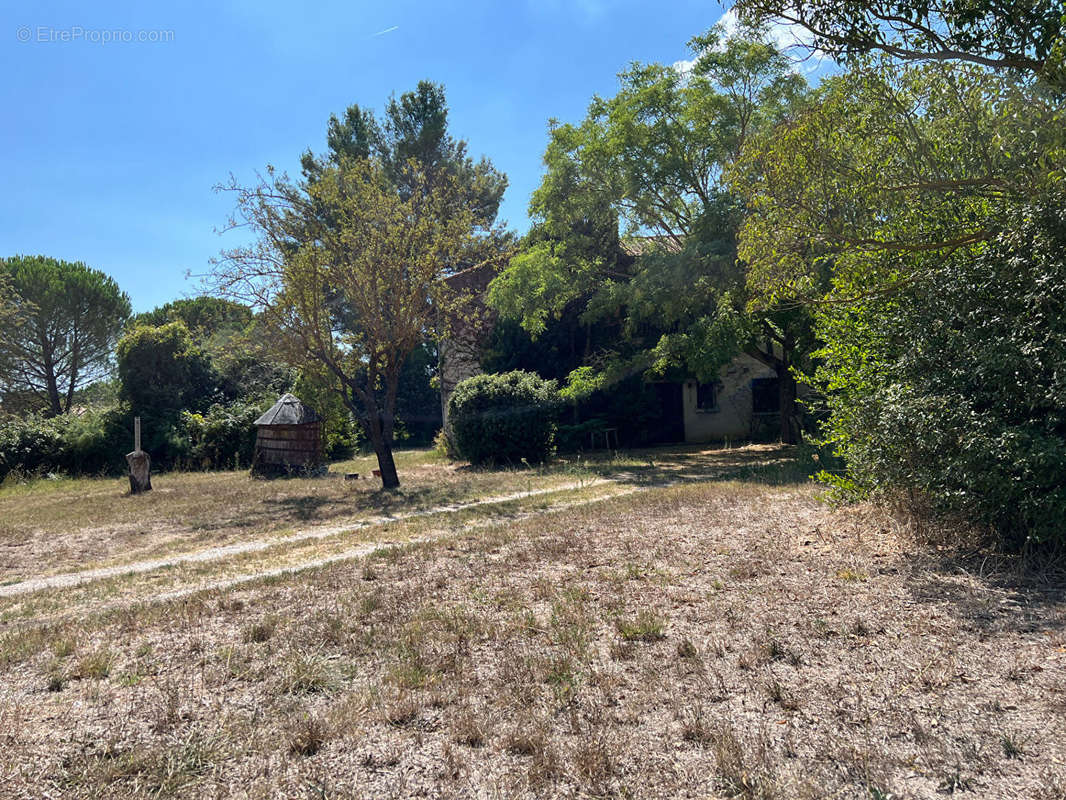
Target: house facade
(742, 404)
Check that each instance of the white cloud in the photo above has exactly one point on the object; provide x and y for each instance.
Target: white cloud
(684, 66)
(793, 40)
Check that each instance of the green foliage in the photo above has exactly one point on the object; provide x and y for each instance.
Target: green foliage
(581, 383)
(320, 391)
(539, 283)
(919, 212)
(652, 160)
(350, 263)
(888, 168)
(953, 392)
(1002, 34)
(504, 418)
(418, 406)
(90, 444)
(9, 316)
(162, 371)
(96, 442)
(445, 446)
(234, 340)
(58, 329)
(414, 127)
(223, 437)
(204, 316)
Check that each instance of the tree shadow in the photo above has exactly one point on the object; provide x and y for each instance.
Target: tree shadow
(991, 593)
(323, 508)
(771, 465)
(303, 508)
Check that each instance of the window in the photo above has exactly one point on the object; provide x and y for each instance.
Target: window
(707, 397)
(764, 396)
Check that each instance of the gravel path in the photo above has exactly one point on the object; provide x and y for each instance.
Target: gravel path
(69, 579)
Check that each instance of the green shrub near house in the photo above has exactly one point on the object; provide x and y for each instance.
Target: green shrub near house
(504, 418)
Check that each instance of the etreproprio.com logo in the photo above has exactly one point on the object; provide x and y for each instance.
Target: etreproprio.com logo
(46, 34)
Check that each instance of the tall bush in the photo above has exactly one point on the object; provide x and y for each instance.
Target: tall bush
(162, 370)
(504, 418)
(953, 391)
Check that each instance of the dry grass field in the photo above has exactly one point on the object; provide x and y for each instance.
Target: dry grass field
(678, 623)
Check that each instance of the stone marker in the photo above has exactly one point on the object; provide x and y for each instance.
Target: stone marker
(140, 463)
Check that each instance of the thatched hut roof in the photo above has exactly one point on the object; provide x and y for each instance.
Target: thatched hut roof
(288, 411)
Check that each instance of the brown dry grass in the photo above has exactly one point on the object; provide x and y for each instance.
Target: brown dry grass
(719, 639)
(74, 524)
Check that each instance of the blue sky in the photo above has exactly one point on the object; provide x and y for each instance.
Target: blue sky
(110, 149)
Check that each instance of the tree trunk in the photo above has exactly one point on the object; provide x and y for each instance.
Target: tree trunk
(378, 430)
(389, 478)
(55, 406)
(786, 383)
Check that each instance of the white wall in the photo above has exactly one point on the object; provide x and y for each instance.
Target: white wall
(732, 419)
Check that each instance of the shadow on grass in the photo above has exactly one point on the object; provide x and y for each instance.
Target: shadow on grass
(994, 592)
(318, 507)
(770, 465)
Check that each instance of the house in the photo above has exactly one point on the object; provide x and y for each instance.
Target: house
(743, 403)
(460, 352)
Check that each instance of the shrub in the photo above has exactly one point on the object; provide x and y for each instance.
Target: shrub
(504, 418)
(97, 441)
(224, 436)
(89, 444)
(162, 370)
(444, 445)
(952, 393)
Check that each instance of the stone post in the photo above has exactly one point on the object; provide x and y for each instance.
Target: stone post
(140, 463)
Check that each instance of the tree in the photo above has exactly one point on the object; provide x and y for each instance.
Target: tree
(652, 160)
(349, 267)
(949, 393)
(8, 320)
(162, 371)
(1021, 35)
(67, 320)
(348, 272)
(916, 211)
(204, 315)
(890, 169)
(228, 334)
(414, 127)
(418, 398)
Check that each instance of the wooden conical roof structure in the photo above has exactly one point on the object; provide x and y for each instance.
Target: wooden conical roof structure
(289, 439)
(289, 410)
